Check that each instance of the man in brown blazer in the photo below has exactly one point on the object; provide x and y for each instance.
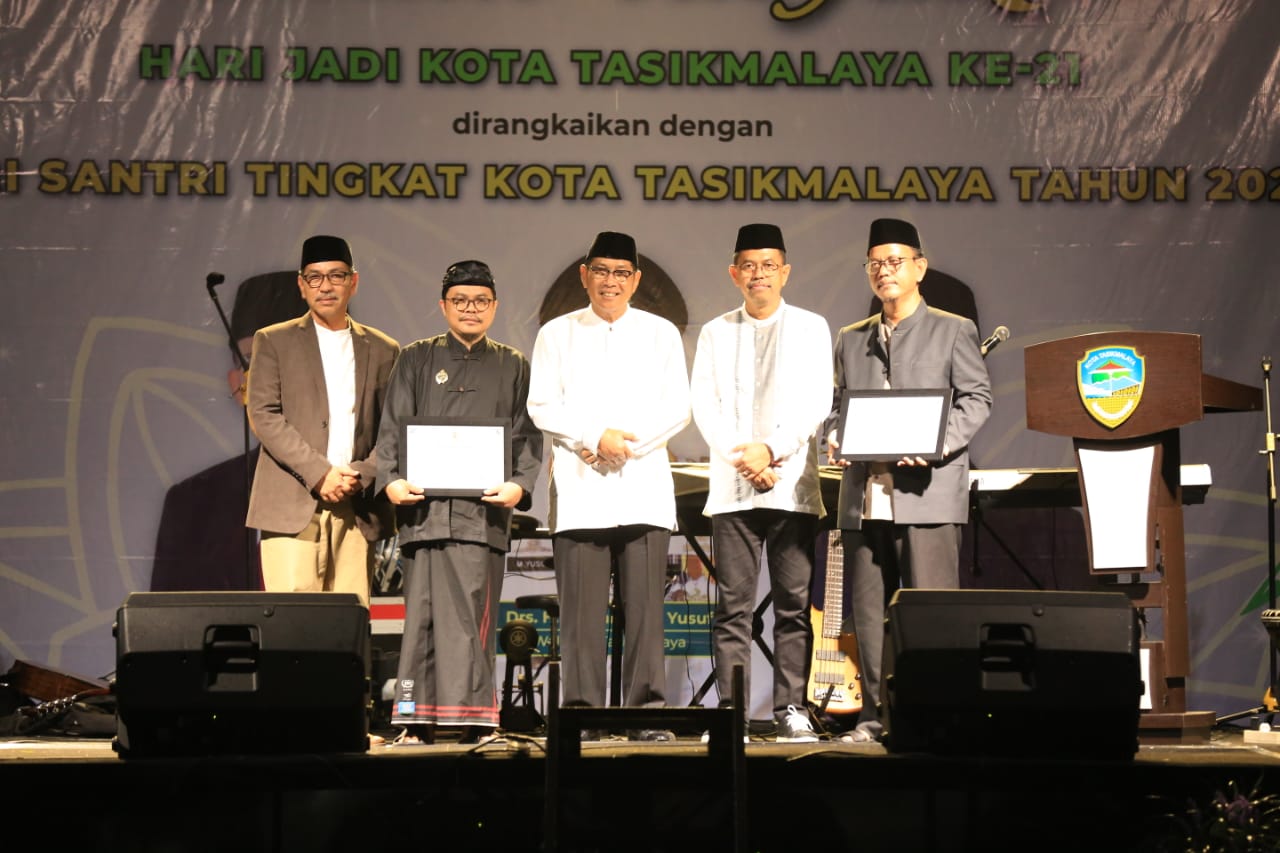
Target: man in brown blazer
(315, 397)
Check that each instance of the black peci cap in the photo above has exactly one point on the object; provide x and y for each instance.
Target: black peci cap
(613, 244)
(323, 247)
(893, 231)
(468, 272)
(759, 236)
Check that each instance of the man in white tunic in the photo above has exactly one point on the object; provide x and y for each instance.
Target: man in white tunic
(761, 389)
(609, 387)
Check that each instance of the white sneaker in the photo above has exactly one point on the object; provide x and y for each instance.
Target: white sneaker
(794, 727)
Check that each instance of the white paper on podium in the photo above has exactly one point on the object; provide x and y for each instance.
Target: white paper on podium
(1144, 657)
(1118, 484)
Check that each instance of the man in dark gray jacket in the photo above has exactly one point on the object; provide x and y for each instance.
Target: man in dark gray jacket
(901, 519)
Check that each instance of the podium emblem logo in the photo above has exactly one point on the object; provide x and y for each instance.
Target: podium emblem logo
(1110, 380)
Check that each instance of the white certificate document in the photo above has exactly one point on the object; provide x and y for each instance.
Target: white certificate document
(455, 456)
(889, 424)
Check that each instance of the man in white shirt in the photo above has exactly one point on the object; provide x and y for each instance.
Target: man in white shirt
(761, 389)
(609, 387)
(315, 396)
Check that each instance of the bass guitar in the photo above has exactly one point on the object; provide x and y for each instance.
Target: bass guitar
(834, 684)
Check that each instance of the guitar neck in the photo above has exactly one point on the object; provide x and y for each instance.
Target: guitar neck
(834, 682)
(833, 587)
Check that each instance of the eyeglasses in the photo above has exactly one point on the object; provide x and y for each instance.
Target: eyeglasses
(621, 276)
(892, 264)
(462, 303)
(750, 267)
(336, 277)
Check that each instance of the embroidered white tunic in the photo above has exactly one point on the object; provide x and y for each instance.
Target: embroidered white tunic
(766, 381)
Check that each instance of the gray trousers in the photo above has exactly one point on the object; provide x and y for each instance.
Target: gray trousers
(878, 559)
(786, 540)
(583, 563)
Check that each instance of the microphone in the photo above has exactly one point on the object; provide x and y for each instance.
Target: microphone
(211, 281)
(1000, 335)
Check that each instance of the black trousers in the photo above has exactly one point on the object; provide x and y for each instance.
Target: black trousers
(583, 562)
(880, 558)
(785, 540)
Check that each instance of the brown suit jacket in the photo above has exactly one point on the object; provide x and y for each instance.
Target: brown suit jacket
(289, 413)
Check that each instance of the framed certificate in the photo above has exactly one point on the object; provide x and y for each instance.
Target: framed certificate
(455, 456)
(886, 425)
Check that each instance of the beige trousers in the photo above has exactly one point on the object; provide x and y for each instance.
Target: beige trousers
(329, 555)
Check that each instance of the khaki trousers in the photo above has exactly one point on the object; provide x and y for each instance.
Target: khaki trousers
(330, 554)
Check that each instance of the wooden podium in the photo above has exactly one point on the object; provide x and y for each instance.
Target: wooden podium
(1122, 397)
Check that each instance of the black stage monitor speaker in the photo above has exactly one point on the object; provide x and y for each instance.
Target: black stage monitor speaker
(1011, 673)
(201, 673)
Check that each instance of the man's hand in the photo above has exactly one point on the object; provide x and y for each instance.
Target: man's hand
(507, 495)
(765, 480)
(402, 492)
(613, 447)
(340, 482)
(752, 459)
(912, 462)
(833, 452)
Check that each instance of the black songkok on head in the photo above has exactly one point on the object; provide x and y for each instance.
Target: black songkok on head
(612, 244)
(759, 236)
(893, 231)
(468, 272)
(322, 247)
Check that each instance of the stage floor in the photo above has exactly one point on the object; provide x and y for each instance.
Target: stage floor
(622, 795)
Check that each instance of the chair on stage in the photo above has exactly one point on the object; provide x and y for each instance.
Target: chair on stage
(549, 603)
(519, 640)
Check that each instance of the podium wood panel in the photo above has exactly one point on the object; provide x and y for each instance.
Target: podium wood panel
(1175, 392)
(1171, 395)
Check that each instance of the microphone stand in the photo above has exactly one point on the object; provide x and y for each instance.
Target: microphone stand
(1270, 616)
(212, 280)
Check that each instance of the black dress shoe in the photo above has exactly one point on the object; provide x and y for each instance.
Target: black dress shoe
(651, 735)
(474, 734)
